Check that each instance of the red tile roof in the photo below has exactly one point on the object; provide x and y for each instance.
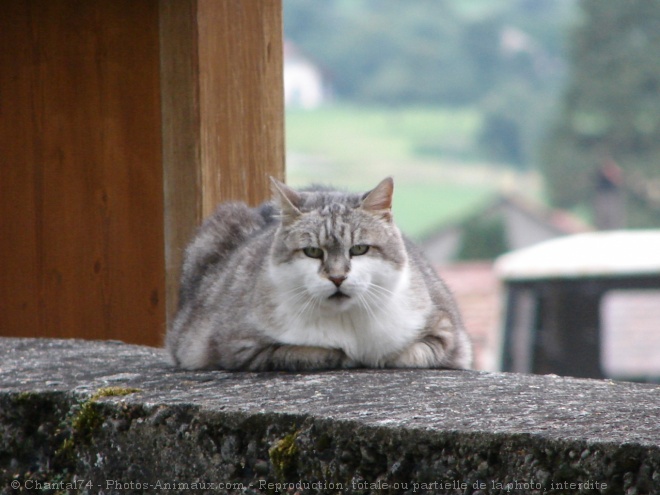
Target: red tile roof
(477, 291)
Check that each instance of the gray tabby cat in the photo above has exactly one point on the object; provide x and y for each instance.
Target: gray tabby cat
(316, 279)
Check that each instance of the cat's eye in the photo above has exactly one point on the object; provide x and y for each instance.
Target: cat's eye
(313, 252)
(358, 250)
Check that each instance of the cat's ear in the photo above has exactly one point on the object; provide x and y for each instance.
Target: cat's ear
(287, 199)
(379, 200)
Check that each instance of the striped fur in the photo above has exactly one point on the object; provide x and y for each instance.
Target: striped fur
(315, 279)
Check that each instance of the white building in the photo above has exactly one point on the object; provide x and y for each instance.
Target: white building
(304, 85)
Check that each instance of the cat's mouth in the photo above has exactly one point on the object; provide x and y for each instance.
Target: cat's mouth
(339, 296)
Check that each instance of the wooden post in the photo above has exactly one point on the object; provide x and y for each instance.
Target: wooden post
(223, 111)
(122, 123)
(80, 176)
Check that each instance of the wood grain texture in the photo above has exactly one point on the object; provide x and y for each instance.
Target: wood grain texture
(223, 111)
(123, 124)
(182, 175)
(80, 170)
(241, 102)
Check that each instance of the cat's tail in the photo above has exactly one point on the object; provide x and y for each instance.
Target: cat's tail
(221, 233)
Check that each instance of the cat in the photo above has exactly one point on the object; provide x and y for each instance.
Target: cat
(314, 279)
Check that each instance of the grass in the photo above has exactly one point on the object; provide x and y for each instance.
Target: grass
(420, 209)
(430, 152)
(380, 134)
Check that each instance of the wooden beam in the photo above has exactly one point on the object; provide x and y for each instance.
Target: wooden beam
(80, 170)
(122, 124)
(223, 111)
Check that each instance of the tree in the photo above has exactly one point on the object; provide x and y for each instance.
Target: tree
(503, 58)
(611, 107)
(439, 52)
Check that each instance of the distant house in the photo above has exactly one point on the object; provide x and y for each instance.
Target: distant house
(506, 223)
(304, 83)
(503, 224)
(586, 305)
(624, 312)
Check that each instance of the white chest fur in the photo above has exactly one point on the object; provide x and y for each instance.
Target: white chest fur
(379, 319)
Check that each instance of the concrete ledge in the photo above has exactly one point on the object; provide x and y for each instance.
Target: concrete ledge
(110, 417)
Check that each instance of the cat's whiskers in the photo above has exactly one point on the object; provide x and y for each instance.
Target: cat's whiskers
(376, 306)
(380, 289)
(295, 290)
(379, 292)
(295, 295)
(380, 296)
(310, 307)
(364, 303)
(309, 304)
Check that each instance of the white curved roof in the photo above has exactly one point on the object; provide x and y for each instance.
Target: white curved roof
(592, 254)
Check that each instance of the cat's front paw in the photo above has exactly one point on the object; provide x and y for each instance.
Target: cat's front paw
(418, 355)
(299, 357)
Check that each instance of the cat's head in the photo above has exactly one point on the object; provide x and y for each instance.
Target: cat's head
(337, 250)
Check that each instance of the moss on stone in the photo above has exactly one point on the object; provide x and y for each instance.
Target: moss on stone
(419, 425)
(24, 397)
(284, 456)
(86, 421)
(113, 392)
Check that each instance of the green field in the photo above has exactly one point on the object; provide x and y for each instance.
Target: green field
(430, 152)
(348, 133)
(419, 209)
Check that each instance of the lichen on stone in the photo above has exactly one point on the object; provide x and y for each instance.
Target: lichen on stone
(284, 456)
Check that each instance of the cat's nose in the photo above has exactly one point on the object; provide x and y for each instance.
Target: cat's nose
(337, 280)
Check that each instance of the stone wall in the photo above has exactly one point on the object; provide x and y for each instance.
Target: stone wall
(106, 417)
